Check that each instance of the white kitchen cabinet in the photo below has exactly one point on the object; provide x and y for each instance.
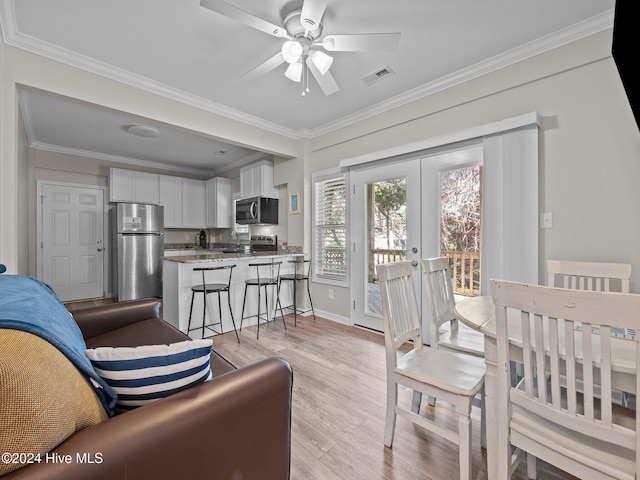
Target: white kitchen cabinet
(133, 186)
(170, 197)
(193, 203)
(256, 180)
(218, 194)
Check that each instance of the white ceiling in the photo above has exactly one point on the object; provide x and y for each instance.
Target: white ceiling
(182, 50)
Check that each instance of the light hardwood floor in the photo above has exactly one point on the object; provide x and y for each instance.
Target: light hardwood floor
(338, 407)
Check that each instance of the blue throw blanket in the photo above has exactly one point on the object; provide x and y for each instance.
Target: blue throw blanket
(30, 305)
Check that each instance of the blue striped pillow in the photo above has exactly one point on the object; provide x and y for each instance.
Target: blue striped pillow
(141, 375)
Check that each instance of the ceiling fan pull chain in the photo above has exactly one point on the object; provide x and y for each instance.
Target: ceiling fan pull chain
(305, 76)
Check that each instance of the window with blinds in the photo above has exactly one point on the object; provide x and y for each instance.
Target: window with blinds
(330, 228)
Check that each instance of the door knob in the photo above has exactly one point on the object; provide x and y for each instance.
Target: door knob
(99, 249)
(414, 250)
(414, 263)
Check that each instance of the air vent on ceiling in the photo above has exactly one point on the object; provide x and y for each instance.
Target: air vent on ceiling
(377, 75)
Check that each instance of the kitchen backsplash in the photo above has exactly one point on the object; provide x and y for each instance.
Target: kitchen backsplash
(293, 249)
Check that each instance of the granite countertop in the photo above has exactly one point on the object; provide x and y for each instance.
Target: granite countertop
(217, 257)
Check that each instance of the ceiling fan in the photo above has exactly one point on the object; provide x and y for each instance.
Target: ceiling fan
(303, 48)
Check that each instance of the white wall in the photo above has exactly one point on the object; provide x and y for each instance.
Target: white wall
(589, 149)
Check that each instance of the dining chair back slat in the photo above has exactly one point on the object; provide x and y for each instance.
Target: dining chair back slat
(589, 275)
(562, 411)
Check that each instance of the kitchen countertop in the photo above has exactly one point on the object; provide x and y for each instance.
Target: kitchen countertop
(216, 257)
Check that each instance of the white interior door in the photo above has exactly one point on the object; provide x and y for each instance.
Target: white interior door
(385, 227)
(72, 241)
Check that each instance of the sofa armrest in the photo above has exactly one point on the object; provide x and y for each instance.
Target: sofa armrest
(237, 425)
(98, 320)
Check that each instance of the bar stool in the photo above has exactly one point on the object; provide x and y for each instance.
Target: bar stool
(207, 288)
(299, 275)
(264, 281)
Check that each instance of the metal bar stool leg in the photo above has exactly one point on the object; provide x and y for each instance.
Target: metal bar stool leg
(204, 308)
(233, 321)
(275, 310)
(295, 305)
(258, 334)
(190, 311)
(243, 303)
(310, 301)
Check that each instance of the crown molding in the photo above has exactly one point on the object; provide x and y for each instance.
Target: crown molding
(13, 37)
(557, 39)
(47, 147)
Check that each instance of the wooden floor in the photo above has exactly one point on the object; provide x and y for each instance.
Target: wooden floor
(338, 407)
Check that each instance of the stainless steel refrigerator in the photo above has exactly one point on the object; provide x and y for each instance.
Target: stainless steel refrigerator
(139, 247)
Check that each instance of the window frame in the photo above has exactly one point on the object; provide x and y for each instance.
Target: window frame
(317, 179)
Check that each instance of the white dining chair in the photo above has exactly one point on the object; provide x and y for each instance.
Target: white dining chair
(596, 276)
(445, 332)
(444, 329)
(451, 377)
(580, 430)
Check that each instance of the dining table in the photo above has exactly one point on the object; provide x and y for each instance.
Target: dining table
(478, 313)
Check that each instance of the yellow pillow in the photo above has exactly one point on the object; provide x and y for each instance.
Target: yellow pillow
(44, 399)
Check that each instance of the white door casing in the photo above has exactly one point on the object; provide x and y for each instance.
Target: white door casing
(71, 240)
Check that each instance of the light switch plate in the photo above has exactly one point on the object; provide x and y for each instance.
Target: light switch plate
(546, 220)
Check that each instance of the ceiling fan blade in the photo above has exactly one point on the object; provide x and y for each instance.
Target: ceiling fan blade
(235, 13)
(327, 82)
(264, 67)
(366, 42)
(312, 12)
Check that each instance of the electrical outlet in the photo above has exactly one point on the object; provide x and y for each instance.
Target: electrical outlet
(330, 294)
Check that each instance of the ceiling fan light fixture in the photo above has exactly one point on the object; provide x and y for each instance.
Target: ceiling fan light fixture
(321, 60)
(291, 51)
(294, 72)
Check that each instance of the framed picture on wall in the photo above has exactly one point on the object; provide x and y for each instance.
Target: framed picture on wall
(294, 203)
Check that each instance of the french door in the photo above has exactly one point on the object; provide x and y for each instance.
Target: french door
(385, 227)
(396, 215)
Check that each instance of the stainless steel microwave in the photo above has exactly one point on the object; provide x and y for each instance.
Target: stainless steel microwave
(257, 211)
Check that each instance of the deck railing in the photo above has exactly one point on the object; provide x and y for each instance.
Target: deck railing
(465, 268)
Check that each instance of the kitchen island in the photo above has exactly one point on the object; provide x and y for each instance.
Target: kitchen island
(179, 277)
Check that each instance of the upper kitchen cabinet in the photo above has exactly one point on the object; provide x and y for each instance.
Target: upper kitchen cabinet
(170, 196)
(218, 193)
(256, 180)
(193, 203)
(133, 186)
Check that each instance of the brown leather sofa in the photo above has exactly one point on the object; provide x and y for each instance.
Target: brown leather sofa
(236, 426)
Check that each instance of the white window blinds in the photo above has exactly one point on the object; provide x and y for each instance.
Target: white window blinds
(330, 229)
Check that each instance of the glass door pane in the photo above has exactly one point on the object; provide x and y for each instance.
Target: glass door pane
(386, 232)
(460, 219)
